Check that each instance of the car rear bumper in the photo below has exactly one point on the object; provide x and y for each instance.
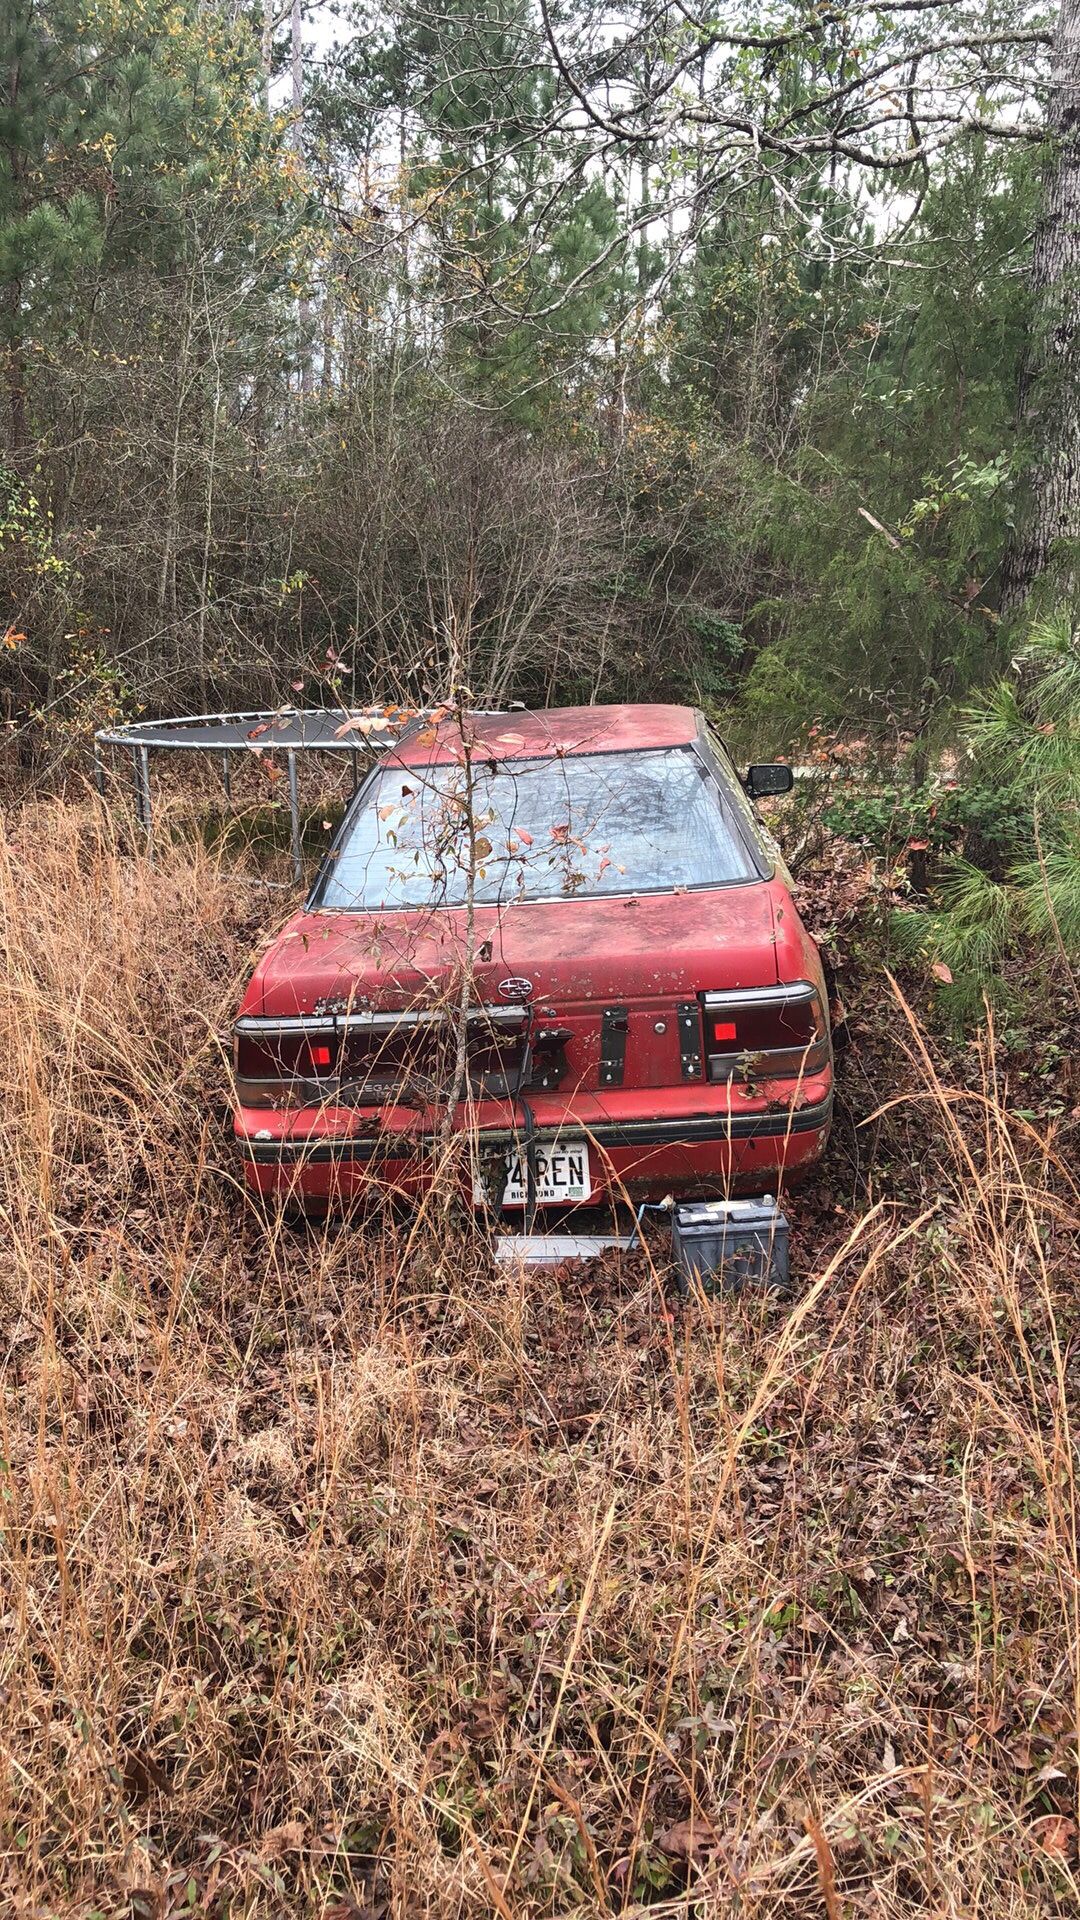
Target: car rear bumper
(641, 1153)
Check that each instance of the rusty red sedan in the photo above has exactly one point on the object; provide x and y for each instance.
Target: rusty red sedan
(555, 950)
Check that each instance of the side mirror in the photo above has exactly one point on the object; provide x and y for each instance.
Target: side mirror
(771, 778)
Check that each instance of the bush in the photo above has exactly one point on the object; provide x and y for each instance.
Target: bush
(979, 822)
(1017, 872)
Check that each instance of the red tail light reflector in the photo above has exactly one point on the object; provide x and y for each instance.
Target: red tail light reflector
(272, 1059)
(310, 1058)
(765, 1032)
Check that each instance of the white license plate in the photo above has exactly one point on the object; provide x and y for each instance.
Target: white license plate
(562, 1174)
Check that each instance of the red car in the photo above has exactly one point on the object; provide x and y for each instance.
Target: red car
(564, 936)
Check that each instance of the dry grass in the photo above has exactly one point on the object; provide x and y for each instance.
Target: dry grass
(339, 1582)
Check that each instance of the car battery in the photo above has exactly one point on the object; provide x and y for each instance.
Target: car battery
(725, 1245)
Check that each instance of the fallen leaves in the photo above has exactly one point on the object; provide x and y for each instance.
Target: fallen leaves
(690, 1840)
(289, 1837)
(1056, 1834)
(909, 1554)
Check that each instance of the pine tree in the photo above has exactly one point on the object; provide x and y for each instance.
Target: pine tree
(51, 222)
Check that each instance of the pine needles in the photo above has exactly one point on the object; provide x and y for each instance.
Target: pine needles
(1023, 739)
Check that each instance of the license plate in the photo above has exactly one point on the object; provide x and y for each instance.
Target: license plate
(562, 1174)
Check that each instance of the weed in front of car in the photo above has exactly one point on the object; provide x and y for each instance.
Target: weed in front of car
(347, 1572)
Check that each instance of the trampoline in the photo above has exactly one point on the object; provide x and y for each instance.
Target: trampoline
(286, 730)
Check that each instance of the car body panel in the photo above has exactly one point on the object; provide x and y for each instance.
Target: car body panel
(552, 730)
(582, 948)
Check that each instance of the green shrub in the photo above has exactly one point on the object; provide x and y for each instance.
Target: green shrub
(1017, 868)
(979, 822)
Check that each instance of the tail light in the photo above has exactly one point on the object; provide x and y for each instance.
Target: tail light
(367, 1057)
(765, 1032)
(272, 1058)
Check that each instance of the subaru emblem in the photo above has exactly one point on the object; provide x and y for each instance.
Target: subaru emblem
(514, 989)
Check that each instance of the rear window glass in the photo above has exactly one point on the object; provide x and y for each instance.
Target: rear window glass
(581, 824)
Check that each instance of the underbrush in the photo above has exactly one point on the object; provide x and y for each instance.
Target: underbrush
(344, 1573)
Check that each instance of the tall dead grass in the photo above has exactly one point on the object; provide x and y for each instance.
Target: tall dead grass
(335, 1582)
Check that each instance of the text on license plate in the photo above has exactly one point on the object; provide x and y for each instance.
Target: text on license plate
(561, 1170)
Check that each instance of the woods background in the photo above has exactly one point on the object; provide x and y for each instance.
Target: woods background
(637, 352)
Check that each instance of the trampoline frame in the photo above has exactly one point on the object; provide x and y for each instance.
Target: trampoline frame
(281, 730)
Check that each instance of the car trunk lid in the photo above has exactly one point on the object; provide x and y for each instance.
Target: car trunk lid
(586, 993)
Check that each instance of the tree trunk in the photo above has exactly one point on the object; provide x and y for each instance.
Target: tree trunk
(266, 50)
(19, 418)
(326, 372)
(307, 375)
(1049, 401)
(19, 430)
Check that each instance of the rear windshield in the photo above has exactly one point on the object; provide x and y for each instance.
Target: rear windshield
(581, 824)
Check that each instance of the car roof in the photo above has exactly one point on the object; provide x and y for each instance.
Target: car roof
(518, 735)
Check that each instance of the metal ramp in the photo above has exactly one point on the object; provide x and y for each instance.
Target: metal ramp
(551, 1249)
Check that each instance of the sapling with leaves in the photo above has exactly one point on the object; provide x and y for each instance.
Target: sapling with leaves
(471, 841)
(472, 827)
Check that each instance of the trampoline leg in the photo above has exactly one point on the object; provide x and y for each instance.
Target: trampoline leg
(99, 771)
(141, 759)
(294, 819)
(355, 771)
(226, 777)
